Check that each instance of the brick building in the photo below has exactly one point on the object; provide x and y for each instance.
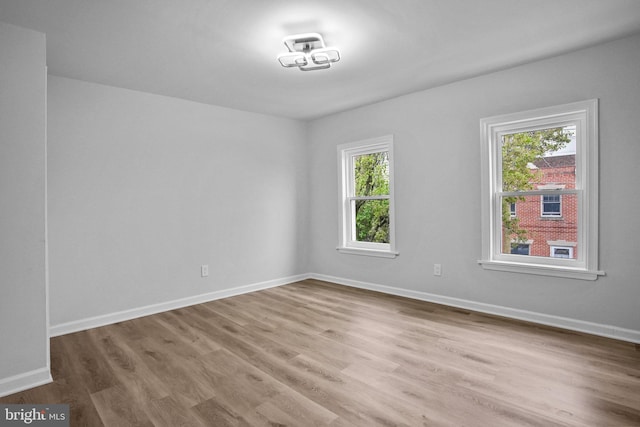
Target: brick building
(550, 220)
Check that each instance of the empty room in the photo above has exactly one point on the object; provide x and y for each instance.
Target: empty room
(319, 213)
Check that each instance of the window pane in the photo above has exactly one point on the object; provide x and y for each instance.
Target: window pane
(542, 159)
(372, 220)
(539, 230)
(371, 174)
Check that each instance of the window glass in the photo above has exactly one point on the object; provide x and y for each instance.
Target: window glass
(531, 224)
(372, 220)
(371, 174)
(534, 159)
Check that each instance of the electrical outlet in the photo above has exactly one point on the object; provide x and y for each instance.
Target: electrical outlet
(204, 270)
(437, 269)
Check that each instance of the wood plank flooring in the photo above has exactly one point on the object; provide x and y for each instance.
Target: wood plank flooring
(318, 354)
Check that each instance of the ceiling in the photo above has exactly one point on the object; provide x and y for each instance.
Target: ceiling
(223, 52)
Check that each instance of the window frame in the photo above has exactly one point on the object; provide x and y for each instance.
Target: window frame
(346, 241)
(584, 115)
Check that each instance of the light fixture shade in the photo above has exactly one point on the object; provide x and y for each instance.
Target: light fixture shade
(314, 66)
(325, 55)
(308, 52)
(293, 59)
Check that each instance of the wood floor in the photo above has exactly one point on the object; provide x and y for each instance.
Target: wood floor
(318, 354)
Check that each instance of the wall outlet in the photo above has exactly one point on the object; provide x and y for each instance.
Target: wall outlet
(437, 269)
(204, 270)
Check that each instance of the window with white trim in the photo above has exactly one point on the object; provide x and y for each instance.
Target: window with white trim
(366, 197)
(552, 154)
(561, 251)
(551, 205)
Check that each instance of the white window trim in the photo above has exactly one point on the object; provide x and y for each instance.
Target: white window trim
(585, 115)
(345, 243)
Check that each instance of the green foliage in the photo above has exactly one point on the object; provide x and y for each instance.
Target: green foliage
(372, 221)
(518, 151)
(372, 179)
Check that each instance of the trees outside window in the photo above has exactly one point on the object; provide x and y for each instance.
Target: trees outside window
(371, 198)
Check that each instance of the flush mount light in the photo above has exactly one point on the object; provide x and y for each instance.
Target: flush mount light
(308, 52)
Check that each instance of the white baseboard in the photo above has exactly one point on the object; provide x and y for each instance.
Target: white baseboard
(120, 316)
(18, 383)
(530, 316)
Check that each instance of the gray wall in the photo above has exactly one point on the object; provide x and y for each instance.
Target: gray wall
(437, 182)
(143, 189)
(23, 313)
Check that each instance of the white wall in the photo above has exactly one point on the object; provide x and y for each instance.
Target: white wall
(143, 189)
(437, 182)
(24, 357)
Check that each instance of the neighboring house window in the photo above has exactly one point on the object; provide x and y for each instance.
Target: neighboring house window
(561, 251)
(551, 205)
(520, 248)
(552, 154)
(366, 197)
(512, 209)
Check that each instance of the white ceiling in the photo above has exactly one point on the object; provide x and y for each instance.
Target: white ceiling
(223, 52)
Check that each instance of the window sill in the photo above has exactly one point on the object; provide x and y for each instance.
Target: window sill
(543, 270)
(367, 252)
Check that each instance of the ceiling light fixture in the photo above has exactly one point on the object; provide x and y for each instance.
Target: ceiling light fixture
(308, 52)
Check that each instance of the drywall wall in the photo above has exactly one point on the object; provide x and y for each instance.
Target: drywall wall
(144, 189)
(437, 183)
(23, 308)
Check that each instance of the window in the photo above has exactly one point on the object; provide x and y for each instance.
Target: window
(562, 252)
(551, 205)
(549, 155)
(520, 248)
(366, 197)
(512, 209)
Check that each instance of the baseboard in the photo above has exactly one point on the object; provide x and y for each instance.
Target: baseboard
(18, 383)
(607, 331)
(108, 319)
